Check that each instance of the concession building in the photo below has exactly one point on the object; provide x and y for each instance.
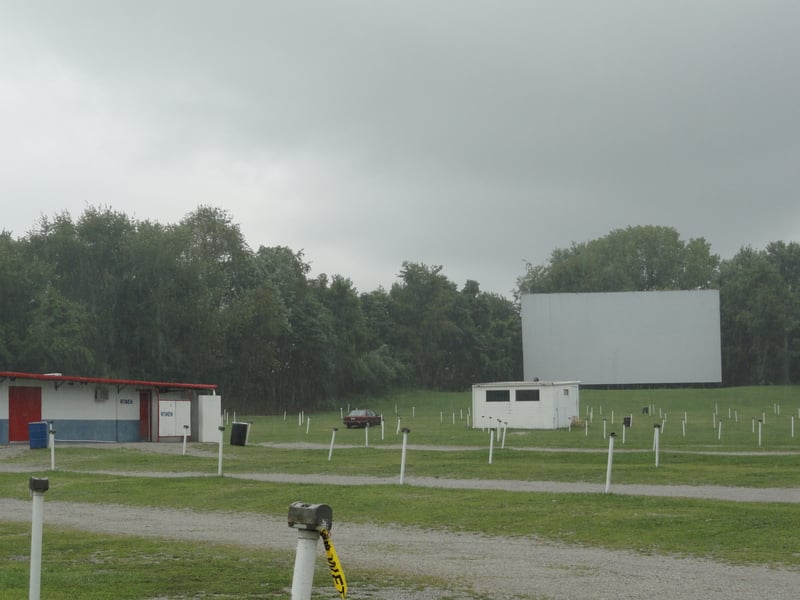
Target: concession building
(107, 410)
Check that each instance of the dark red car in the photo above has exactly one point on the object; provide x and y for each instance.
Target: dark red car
(362, 418)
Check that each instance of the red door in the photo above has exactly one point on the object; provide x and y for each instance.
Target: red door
(144, 415)
(24, 406)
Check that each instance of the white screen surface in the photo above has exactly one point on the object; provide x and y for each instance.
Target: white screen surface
(622, 337)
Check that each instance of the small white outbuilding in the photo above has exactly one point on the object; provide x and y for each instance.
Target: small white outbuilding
(525, 404)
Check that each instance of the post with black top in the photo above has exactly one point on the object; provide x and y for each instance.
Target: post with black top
(333, 439)
(611, 437)
(656, 440)
(52, 436)
(38, 487)
(406, 431)
(309, 520)
(221, 435)
(185, 435)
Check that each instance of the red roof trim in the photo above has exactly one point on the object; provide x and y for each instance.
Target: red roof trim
(102, 380)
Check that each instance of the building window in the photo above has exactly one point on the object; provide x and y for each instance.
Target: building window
(527, 395)
(566, 391)
(498, 395)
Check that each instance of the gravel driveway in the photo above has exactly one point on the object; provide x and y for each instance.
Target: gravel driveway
(468, 564)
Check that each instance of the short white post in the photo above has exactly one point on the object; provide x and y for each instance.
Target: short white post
(505, 428)
(441, 417)
(52, 440)
(366, 436)
(586, 427)
(610, 461)
(623, 433)
(684, 429)
(753, 425)
(303, 576)
(612, 417)
(406, 431)
(382, 427)
(656, 436)
(719, 431)
(736, 416)
(333, 439)
(185, 435)
(309, 520)
(308, 424)
(341, 413)
(300, 419)
(221, 436)
(413, 411)
(38, 487)
(763, 417)
(792, 425)
(684, 416)
(491, 445)
(760, 422)
(398, 427)
(604, 428)
(714, 420)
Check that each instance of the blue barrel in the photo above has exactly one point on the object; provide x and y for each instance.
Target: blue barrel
(37, 434)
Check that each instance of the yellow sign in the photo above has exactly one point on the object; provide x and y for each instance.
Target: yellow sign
(337, 573)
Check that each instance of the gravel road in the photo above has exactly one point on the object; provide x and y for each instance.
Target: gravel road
(469, 565)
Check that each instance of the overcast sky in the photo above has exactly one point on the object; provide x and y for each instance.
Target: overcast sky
(472, 135)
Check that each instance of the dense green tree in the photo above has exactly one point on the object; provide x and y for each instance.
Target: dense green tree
(759, 313)
(639, 258)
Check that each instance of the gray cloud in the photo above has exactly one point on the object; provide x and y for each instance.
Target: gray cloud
(473, 135)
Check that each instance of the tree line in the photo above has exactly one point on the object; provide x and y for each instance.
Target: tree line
(109, 296)
(759, 291)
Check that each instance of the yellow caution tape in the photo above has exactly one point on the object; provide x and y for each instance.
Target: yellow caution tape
(337, 573)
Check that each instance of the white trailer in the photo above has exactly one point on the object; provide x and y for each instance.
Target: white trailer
(525, 404)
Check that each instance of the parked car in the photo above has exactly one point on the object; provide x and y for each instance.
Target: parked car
(361, 418)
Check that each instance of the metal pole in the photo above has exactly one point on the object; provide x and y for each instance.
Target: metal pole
(185, 433)
(221, 436)
(38, 487)
(52, 436)
(610, 460)
(406, 431)
(656, 436)
(309, 520)
(333, 439)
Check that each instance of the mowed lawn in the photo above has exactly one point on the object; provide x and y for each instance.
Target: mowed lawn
(693, 451)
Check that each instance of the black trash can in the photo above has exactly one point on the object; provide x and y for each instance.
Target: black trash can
(37, 434)
(239, 433)
(626, 421)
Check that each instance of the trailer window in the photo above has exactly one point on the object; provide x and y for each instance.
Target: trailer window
(527, 395)
(498, 395)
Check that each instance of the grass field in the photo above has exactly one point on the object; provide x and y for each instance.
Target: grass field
(737, 532)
